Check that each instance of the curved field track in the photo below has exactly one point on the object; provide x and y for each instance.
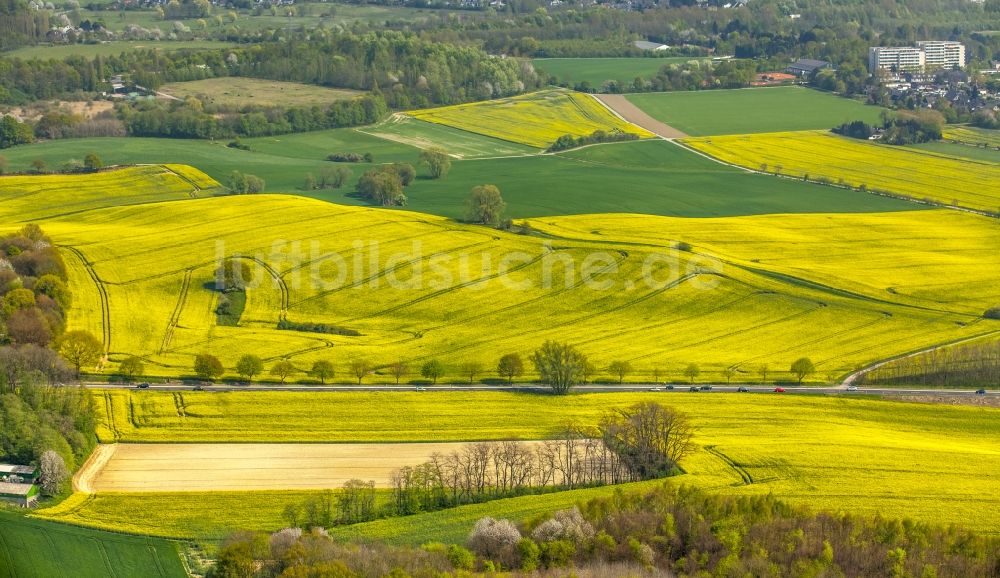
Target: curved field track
(635, 115)
(228, 467)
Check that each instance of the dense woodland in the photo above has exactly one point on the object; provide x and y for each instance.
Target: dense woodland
(675, 530)
(36, 417)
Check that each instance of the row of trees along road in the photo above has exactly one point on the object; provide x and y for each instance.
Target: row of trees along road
(558, 365)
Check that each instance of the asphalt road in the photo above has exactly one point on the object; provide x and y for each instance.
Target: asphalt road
(541, 389)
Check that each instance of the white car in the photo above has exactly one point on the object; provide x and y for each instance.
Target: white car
(852, 388)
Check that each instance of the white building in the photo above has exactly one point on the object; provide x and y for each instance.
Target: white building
(926, 55)
(898, 58)
(942, 54)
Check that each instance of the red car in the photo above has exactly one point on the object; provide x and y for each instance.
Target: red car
(779, 390)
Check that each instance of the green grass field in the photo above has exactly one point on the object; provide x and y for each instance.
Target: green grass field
(783, 108)
(536, 119)
(282, 161)
(598, 70)
(37, 548)
(833, 453)
(647, 177)
(953, 149)
(239, 91)
(650, 177)
(200, 515)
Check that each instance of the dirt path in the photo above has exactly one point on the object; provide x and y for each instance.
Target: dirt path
(83, 481)
(230, 467)
(633, 114)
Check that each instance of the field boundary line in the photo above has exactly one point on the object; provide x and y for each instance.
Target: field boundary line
(744, 475)
(657, 133)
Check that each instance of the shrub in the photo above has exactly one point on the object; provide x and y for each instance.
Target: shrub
(566, 525)
(558, 554)
(495, 540)
(461, 558)
(992, 313)
(529, 553)
(350, 157)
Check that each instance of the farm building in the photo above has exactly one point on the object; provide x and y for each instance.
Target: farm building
(25, 473)
(24, 495)
(17, 484)
(806, 66)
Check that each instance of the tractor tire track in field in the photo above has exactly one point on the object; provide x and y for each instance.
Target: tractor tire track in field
(326, 345)
(102, 291)
(179, 404)
(881, 319)
(175, 316)
(744, 475)
(5, 555)
(817, 306)
(447, 290)
(622, 257)
(382, 272)
(109, 407)
(186, 179)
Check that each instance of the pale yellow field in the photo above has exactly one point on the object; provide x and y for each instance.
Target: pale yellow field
(823, 156)
(246, 467)
(535, 119)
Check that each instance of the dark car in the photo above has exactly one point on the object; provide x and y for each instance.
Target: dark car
(670, 387)
(744, 389)
(981, 392)
(706, 388)
(694, 389)
(143, 386)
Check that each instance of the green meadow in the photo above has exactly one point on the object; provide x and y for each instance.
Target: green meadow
(648, 177)
(598, 70)
(31, 548)
(751, 110)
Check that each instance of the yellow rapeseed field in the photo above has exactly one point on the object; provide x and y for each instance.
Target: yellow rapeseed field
(25, 198)
(839, 454)
(825, 157)
(535, 119)
(972, 136)
(844, 290)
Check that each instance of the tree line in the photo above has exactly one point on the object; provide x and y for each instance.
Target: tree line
(666, 530)
(976, 364)
(560, 366)
(40, 424)
(643, 442)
